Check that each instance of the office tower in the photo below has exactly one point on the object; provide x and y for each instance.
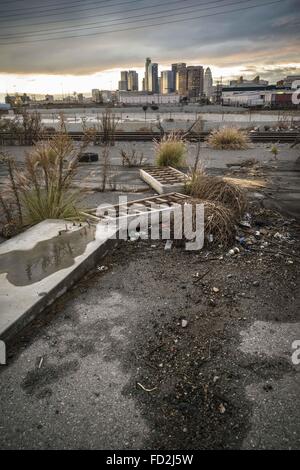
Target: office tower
(133, 80)
(123, 83)
(153, 78)
(166, 82)
(96, 95)
(180, 76)
(195, 81)
(147, 64)
(208, 83)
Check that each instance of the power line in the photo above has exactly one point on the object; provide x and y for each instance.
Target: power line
(87, 16)
(142, 27)
(44, 32)
(78, 10)
(72, 2)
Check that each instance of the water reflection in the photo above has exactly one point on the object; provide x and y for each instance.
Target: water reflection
(25, 267)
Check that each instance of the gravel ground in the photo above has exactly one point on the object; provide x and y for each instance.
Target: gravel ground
(148, 354)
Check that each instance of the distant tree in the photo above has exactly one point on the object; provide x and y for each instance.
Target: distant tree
(145, 108)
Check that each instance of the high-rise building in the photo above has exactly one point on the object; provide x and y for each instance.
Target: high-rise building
(194, 81)
(96, 95)
(153, 78)
(133, 80)
(123, 83)
(180, 76)
(208, 83)
(166, 82)
(147, 64)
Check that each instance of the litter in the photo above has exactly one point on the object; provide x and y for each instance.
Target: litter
(168, 245)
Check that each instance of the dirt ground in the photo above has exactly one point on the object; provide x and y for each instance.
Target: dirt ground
(165, 349)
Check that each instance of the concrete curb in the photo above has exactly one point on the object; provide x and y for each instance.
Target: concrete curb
(21, 304)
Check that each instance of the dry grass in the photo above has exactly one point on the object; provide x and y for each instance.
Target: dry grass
(131, 157)
(219, 222)
(219, 190)
(43, 188)
(170, 150)
(228, 138)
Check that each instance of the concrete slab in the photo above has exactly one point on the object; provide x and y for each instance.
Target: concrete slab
(164, 179)
(37, 266)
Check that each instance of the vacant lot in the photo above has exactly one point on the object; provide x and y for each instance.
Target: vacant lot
(163, 350)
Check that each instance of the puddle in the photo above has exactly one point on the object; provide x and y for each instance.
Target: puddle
(25, 267)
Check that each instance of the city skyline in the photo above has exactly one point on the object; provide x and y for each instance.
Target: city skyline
(233, 39)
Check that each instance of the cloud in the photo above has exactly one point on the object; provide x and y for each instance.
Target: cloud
(263, 36)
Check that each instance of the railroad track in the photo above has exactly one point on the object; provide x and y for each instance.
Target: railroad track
(276, 136)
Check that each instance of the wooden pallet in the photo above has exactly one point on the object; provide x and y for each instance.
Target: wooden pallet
(164, 179)
(141, 206)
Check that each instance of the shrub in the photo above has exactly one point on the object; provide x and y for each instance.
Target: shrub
(42, 189)
(217, 189)
(228, 138)
(219, 222)
(170, 150)
(45, 182)
(131, 157)
(274, 151)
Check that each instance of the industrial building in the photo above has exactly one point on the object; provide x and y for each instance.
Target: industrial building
(141, 98)
(269, 96)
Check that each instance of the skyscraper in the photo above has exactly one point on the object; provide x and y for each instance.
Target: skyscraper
(208, 83)
(153, 78)
(195, 81)
(133, 80)
(180, 77)
(123, 83)
(147, 64)
(166, 82)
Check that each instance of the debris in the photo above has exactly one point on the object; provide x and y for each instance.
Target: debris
(168, 245)
(222, 408)
(198, 277)
(184, 323)
(102, 268)
(233, 251)
(146, 389)
(41, 362)
(215, 289)
(256, 283)
(245, 223)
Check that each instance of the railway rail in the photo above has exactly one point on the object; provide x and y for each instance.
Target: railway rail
(7, 138)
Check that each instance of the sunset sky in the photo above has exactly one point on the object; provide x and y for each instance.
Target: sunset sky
(62, 46)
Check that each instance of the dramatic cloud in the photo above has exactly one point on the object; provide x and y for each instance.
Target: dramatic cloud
(252, 39)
